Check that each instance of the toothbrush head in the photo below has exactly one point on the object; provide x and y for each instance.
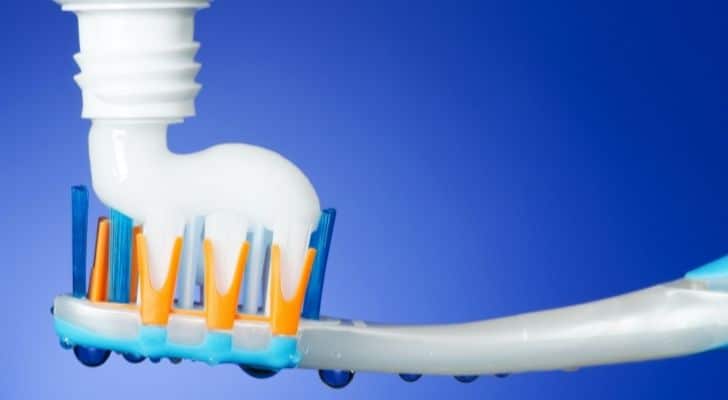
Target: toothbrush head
(124, 312)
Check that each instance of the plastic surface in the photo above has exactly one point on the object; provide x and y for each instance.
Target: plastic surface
(84, 5)
(104, 326)
(678, 318)
(717, 269)
(137, 62)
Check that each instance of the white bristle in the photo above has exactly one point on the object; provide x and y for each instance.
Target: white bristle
(227, 232)
(161, 232)
(253, 281)
(190, 262)
(293, 242)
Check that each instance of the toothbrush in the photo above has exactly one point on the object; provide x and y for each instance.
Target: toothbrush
(220, 256)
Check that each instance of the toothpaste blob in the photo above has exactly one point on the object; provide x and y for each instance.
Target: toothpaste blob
(236, 186)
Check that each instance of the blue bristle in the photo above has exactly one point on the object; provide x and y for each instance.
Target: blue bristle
(321, 241)
(120, 257)
(79, 216)
(190, 262)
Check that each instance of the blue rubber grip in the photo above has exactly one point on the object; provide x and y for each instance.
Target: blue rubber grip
(717, 269)
(79, 217)
(321, 241)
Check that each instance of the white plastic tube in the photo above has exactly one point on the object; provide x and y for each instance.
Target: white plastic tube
(137, 57)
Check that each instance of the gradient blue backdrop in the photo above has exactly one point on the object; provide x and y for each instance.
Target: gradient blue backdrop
(486, 158)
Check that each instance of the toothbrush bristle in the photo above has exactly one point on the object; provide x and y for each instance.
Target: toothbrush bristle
(285, 312)
(156, 302)
(79, 216)
(253, 292)
(191, 261)
(227, 232)
(221, 307)
(134, 273)
(120, 257)
(321, 241)
(98, 284)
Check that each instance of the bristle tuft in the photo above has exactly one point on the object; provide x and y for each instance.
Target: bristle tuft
(79, 216)
(191, 261)
(321, 241)
(120, 257)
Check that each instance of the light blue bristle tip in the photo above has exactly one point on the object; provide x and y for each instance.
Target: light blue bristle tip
(120, 257)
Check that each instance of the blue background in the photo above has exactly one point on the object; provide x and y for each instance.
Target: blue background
(486, 158)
